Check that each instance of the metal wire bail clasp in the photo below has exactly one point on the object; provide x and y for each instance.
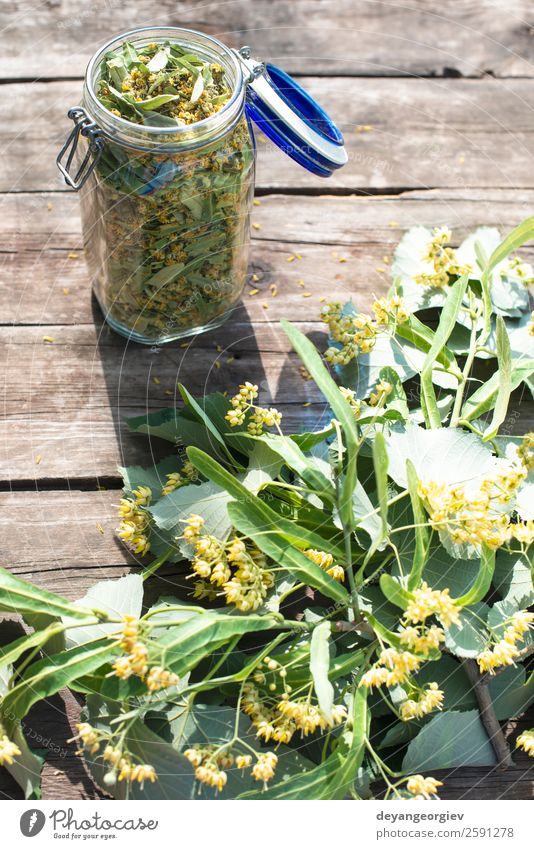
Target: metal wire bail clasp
(255, 69)
(85, 127)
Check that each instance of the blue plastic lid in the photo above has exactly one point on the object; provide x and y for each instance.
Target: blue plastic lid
(292, 119)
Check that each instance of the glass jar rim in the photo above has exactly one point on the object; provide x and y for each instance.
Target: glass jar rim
(208, 128)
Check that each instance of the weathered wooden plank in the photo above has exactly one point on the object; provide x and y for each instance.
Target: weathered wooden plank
(65, 402)
(345, 244)
(66, 536)
(46, 221)
(425, 133)
(366, 37)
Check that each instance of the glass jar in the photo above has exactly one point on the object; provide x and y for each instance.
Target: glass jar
(165, 209)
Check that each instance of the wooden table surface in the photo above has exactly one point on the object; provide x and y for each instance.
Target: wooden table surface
(436, 102)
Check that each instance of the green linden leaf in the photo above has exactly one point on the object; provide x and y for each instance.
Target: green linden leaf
(470, 637)
(449, 456)
(451, 739)
(509, 294)
(117, 598)
(319, 667)
(513, 579)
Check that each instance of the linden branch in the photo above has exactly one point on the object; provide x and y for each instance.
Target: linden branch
(487, 714)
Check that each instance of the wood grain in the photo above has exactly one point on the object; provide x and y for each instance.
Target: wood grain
(432, 133)
(64, 402)
(363, 37)
(345, 245)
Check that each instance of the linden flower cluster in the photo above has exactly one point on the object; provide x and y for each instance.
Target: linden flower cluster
(8, 751)
(525, 450)
(135, 660)
(442, 258)
(210, 765)
(504, 652)
(326, 562)
(395, 666)
(135, 520)
(423, 788)
(238, 571)
(428, 700)
(426, 602)
(357, 332)
(350, 396)
(525, 741)
(381, 392)
(261, 416)
(127, 771)
(185, 476)
(123, 768)
(280, 721)
(478, 517)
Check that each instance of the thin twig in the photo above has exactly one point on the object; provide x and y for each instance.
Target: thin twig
(487, 714)
(361, 626)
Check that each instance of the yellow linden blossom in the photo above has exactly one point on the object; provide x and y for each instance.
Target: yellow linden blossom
(523, 532)
(211, 775)
(112, 755)
(187, 474)
(89, 736)
(174, 480)
(280, 722)
(442, 258)
(350, 396)
(422, 641)
(208, 763)
(478, 517)
(159, 679)
(135, 659)
(375, 677)
(357, 332)
(133, 664)
(382, 390)
(193, 527)
(525, 741)
(427, 602)
(135, 521)
(8, 751)
(243, 761)
(326, 562)
(531, 328)
(137, 772)
(261, 416)
(388, 310)
(142, 496)
(431, 699)
(394, 667)
(505, 651)
(241, 573)
(423, 788)
(265, 767)
(309, 718)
